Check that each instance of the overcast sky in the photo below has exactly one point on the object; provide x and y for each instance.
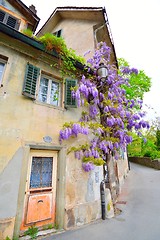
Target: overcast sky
(135, 29)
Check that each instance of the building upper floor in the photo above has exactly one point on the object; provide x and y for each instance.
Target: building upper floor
(15, 14)
(81, 27)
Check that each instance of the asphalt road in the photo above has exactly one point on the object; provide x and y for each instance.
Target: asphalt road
(140, 216)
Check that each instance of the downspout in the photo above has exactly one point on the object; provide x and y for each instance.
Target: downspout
(106, 23)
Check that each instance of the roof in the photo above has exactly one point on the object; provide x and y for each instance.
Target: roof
(26, 12)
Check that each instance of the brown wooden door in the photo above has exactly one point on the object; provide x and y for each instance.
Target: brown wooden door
(40, 199)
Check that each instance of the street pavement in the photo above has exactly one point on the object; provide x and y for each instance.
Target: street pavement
(140, 215)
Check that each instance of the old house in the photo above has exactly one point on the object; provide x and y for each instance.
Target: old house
(39, 183)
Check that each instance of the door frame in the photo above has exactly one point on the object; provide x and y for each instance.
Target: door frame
(29, 193)
(61, 183)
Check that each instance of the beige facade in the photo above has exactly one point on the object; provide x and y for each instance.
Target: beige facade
(29, 131)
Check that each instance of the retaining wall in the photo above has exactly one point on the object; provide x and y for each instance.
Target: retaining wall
(146, 161)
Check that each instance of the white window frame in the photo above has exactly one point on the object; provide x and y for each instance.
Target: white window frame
(2, 76)
(50, 80)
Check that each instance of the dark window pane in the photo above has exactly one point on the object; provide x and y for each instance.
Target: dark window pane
(2, 65)
(11, 22)
(54, 95)
(2, 15)
(41, 172)
(43, 90)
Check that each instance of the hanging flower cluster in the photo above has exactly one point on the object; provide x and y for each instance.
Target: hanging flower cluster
(108, 116)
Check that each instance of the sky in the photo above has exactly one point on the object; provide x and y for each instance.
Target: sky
(135, 29)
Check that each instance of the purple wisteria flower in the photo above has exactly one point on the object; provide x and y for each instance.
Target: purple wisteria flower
(134, 70)
(87, 167)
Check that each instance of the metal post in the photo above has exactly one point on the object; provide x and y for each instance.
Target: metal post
(103, 207)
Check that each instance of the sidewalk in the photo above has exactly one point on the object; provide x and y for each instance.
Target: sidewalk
(140, 216)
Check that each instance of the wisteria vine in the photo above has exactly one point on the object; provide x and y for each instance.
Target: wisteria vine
(108, 116)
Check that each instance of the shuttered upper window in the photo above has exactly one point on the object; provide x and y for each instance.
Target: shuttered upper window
(9, 20)
(30, 81)
(47, 90)
(69, 100)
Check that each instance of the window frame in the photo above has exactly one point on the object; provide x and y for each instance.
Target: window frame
(6, 18)
(58, 33)
(2, 76)
(50, 80)
(68, 84)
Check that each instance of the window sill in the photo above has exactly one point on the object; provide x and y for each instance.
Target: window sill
(50, 106)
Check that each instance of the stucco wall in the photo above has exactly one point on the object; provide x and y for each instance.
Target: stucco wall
(82, 194)
(23, 122)
(78, 35)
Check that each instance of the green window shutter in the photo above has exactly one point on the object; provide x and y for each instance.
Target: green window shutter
(69, 101)
(30, 81)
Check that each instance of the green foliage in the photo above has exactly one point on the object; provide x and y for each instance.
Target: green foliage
(139, 83)
(149, 149)
(49, 226)
(7, 238)
(67, 55)
(134, 149)
(139, 148)
(56, 226)
(122, 62)
(32, 232)
(51, 42)
(28, 32)
(14, 238)
(158, 138)
(96, 161)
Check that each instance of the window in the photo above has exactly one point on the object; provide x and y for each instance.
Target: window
(49, 91)
(2, 68)
(41, 172)
(46, 89)
(58, 33)
(9, 20)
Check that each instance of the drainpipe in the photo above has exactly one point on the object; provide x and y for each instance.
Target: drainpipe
(103, 207)
(95, 32)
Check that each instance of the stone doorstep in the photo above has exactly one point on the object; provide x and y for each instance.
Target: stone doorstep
(42, 233)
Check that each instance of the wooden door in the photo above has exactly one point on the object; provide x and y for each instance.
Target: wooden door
(40, 199)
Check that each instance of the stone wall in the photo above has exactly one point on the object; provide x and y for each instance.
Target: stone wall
(146, 161)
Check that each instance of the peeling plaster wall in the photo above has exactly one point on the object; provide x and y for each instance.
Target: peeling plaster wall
(9, 186)
(82, 194)
(83, 35)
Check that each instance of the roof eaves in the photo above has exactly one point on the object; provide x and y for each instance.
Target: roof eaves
(69, 8)
(19, 2)
(110, 34)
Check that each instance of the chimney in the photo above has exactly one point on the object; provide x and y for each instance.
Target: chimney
(33, 9)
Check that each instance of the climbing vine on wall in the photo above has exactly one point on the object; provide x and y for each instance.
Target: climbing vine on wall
(107, 116)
